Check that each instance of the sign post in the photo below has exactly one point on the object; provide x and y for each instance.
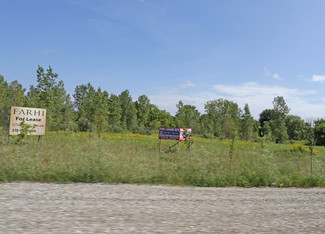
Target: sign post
(34, 117)
(5, 127)
(172, 134)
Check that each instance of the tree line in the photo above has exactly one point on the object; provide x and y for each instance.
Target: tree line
(95, 110)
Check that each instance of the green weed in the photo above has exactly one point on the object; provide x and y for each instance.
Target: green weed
(67, 157)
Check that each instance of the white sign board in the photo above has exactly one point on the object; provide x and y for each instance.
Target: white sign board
(32, 116)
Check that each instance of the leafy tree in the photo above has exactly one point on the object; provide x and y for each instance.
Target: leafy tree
(16, 94)
(129, 112)
(206, 126)
(276, 120)
(247, 124)
(80, 96)
(101, 111)
(3, 107)
(320, 132)
(280, 107)
(10, 95)
(132, 117)
(154, 117)
(296, 127)
(143, 107)
(224, 116)
(281, 110)
(187, 116)
(267, 131)
(93, 108)
(84, 96)
(279, 131)
(115, 112)
(166, 119)
(266, 116)
(3, 98)
(51, 95)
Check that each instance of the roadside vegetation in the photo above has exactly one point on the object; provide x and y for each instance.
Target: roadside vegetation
(101, 137)
(67, 157)
(99, 112)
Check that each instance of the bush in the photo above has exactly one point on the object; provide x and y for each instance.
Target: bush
(142, 131)
(116, 129)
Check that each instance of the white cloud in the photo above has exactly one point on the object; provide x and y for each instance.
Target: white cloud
(276, 76)
(318, 78)
(305, 103)
(259, 97)
(268, 73)
(188, 84)
(167, 98)
(252, 89)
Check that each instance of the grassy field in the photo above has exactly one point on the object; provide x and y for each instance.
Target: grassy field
(68, 157)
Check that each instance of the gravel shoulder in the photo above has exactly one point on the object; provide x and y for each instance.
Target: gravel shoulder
(123, 208)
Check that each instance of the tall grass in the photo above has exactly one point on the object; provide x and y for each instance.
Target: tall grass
(67, 157)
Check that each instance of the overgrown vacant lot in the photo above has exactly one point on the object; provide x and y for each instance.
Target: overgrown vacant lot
(68, 157)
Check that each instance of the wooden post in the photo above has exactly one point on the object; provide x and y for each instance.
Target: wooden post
(9, 140)
(160, 146)
(40, 139)
(5, 127)
(179, 146)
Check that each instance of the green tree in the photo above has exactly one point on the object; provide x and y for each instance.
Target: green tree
(166, 119)
(115, 112)
(4, 111)
(129, 112)
(296, 127)
(81, 96)
(159, 118)
(247, 124)
(3, 98)
(51, 95)
(224, 117)
(101, 111)
(276, 121)
(93, 108)
(279, 129)
(267, 131)
(266, 116)
(206, 125)
(154, 117)
(143, 107)
(16, 94)
(280, 107)
(11, 95)
(187, 116)
(320, 131)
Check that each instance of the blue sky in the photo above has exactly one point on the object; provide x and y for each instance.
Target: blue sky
(191, 50)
